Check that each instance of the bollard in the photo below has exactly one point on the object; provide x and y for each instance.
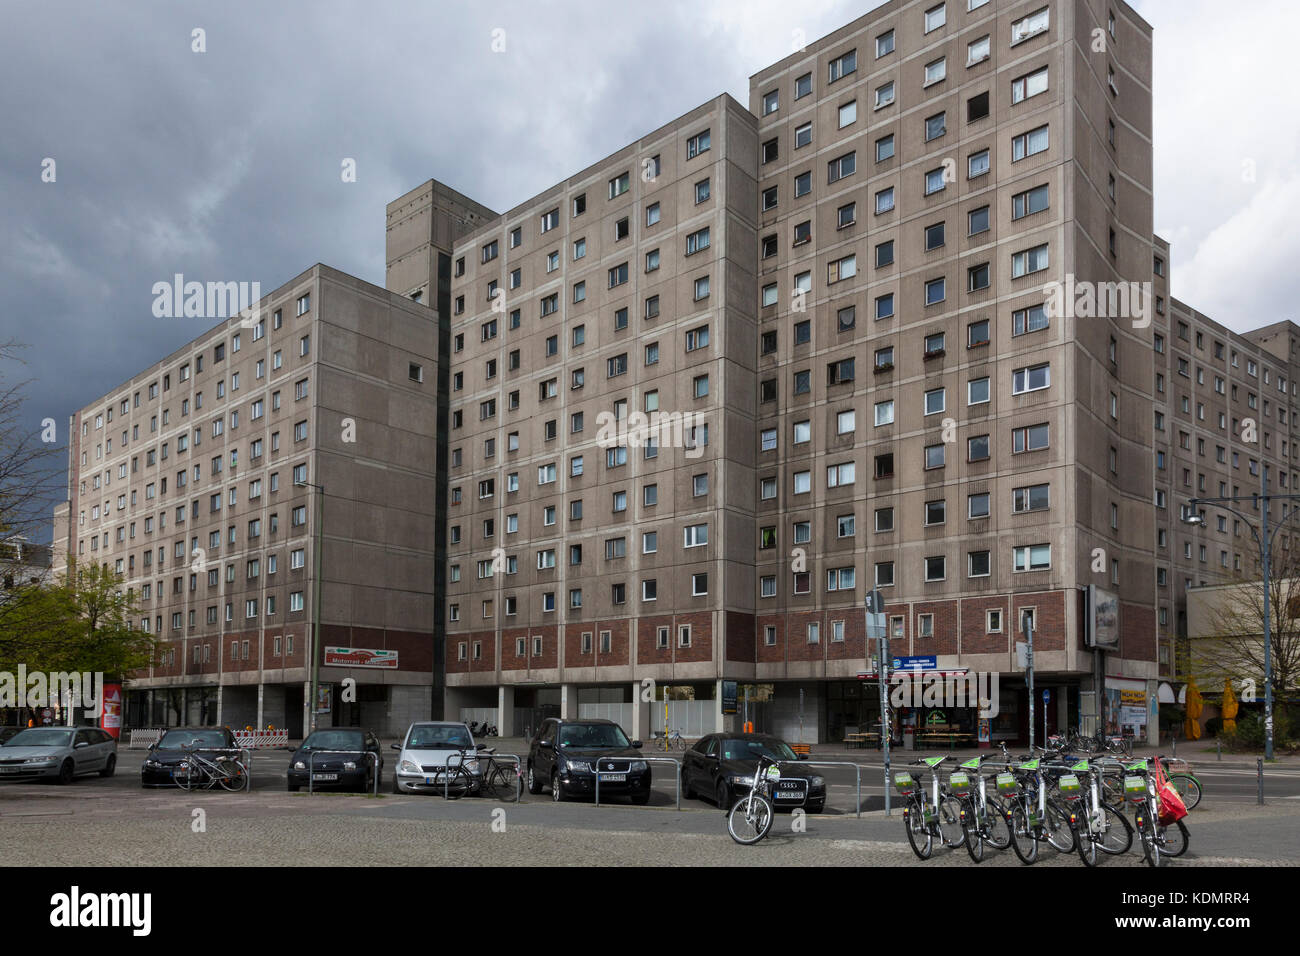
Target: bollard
(1259, 771)
(1175, 742)
(1218, 745)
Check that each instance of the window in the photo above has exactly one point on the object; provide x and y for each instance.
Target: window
(652, 216)
(841, 167)
(1034, 557)
(1029, 144)
(1030, 26)
(884, 148)
(1031, 378)
(936, 17)
(936, 568)
(884, 94)
(771, 102)
(977, 505)
(802, 135)
(619, 185)
(1031, 498)
(1029, 202)
(701, 191)
(697, 144)
(1027, 320)
(935, 181)
(936, 70)
(977, 164)
(977, 51)
(935, 291)
(935, 126)
(884, 44)
(1029, 438)
(1029, 261)
(848, 114)
(842, 66)
(1031, 84)
(885, 200)
(884, 412)
(977, 221)
(802, 187)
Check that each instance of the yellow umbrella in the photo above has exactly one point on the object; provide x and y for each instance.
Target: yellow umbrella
(1229, 708)
(1192, 726)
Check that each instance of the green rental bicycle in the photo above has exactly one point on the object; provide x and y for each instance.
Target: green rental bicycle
(923, 819)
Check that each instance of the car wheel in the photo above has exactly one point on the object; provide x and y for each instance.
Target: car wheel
(723, 796)
(293, 787)
(110, 766)
(534, 785)
(687, 790)
(67, 773)
(557, 788)
(397, 786)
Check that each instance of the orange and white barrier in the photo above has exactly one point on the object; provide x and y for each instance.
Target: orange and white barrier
(255, 739)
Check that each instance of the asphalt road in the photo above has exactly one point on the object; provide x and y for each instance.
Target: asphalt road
(114, 822)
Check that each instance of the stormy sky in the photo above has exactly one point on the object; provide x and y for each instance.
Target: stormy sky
(225, 164)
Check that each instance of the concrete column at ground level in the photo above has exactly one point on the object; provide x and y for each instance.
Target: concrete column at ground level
(719, 720)
(308, 706)
(220, 699)
(261, 706)
(506, 710)
(568, 702)
(641, 708)
(1063, 711)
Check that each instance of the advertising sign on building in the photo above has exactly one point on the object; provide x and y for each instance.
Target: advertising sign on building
(360, 657)
(111, 719)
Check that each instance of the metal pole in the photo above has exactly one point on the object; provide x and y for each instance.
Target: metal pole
(315, 643)
(1265, 551)
(1029, 671)
(886, 723)
(1259, 773)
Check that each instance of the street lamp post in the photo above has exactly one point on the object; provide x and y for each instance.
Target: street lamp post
(316, 594)
(1264, 539)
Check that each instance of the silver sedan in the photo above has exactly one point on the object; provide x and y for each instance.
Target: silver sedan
(58, 753)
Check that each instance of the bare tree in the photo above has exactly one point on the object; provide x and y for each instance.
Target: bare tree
(1235, 648)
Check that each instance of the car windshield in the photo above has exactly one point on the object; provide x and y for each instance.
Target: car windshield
(439, 738)
(334, 740)
(754, 747)
(179, 739)
(41, 737)
(593, 736)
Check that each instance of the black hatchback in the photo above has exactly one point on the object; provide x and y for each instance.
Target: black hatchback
(345, 758)
(721, 767)
(160, 763)
(564, 755)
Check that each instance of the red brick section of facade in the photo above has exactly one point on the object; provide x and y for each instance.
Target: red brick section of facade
(799, 648)
(618, 638)
(943, 639)
(1137, 632)
(742, 637)
(701, 649)
(414, 648)
(974, 616)
(221, 660)
(1049, 617)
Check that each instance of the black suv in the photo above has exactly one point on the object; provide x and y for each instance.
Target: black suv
(564, 753)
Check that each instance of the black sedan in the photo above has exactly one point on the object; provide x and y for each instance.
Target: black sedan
(721, 767)
(355, 768)
(564, 754)
(169, 751)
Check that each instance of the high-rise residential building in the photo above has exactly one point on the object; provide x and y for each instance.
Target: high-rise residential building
(891, 400)
(207, 480)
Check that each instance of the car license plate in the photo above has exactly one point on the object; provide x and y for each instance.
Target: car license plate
(11, 769)
(430, 781)
(789, 795)
(182, 772)
(324, 776)
(613, 778)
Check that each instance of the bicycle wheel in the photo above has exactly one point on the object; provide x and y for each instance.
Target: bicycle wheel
(1173, 839)
(973, 835)
(750, 819)
(1059, 832)
(1086, 843)
(234, 776)
(1116, 834)
(997, 832)
(951, 826)
(503, 783)
(1187, 787)
(459, 782)
(1024, 838)
(918, 834)
(1112, 790)
(187, 779)
(1146, 828)
(681, 743)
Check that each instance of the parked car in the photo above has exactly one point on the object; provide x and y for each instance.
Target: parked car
(58, 753)
(564, 752)
(423, 755)
(7, 732)
(355, 769)
(721, 767)
(164, 756)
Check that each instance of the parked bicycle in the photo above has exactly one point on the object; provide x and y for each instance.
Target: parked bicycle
(751, 818)
(1099, 826)
(197, 772)
(1159, 839)
(939, 816)
(1185, 785)
(501, 779)
(668, 740)
(983, 817)
(456, 778)
(1033, 816)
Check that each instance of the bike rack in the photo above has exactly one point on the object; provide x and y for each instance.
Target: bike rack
(311, 766)
(857, 769)
(677, 775)
(519, 778)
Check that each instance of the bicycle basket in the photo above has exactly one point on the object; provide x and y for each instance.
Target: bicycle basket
(906, 784)
(772, 773)
(1068, 785)
(959, 784)
(1007, 783)
(1135, 789)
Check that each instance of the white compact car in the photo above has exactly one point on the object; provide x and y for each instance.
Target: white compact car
(424, 755)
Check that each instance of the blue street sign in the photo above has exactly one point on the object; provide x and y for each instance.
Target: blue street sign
(1047, 696)
(928, 663)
